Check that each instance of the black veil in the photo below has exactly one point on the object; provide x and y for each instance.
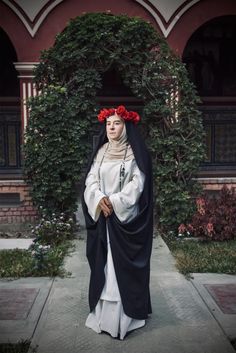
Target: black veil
(131, 242)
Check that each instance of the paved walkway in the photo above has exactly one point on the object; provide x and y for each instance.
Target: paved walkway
(15, 243)
(186, 317)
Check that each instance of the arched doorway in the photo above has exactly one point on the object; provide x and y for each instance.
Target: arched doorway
(210, 57)
(9, 110)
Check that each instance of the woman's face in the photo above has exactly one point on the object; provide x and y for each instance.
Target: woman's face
(114, 127)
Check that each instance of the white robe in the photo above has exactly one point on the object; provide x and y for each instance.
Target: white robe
(109, 315)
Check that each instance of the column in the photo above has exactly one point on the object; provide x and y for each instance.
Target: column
(27, 88)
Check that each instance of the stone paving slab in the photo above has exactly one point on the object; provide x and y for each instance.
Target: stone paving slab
(181, 322)
(224, 296)
(21, 304)
(16, 303)
(15, 243)
(206, 285)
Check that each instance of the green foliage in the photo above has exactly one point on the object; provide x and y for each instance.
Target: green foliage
(50, 238)
(204, 256)
(53, 231)
(175, 137)
(69, 77)
(55, 149)
(46, 254)
(14, 263)
(18, 263)
(48, 260)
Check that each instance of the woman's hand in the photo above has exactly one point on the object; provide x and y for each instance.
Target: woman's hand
(106, 206)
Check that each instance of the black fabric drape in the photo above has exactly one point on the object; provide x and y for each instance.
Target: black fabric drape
(131, 242)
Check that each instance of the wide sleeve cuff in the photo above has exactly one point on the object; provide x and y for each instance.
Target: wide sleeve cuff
(92, 194)
(125, 202)
(95, 209)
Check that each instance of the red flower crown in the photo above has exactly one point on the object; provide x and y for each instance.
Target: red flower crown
(121, 111)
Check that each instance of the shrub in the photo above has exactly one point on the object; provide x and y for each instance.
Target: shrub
(69, 77)
(48, 260)
(55, 149)
(215, 217)
(53, 231)
(46, 255)
(49, 245)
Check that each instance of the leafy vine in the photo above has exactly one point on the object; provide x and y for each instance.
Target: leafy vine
(69, 76)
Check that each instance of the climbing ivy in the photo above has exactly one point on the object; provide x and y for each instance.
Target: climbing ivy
(69, 76)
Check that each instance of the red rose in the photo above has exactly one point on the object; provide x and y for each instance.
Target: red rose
(105, 113)
(102, 115)
(111, 111)
(121, 111)
(130, 116)
(137, 118)
(133, 116)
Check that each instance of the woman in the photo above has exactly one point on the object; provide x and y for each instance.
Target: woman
(118, 211)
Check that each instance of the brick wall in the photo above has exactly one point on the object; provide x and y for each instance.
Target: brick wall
(24, 212)
(21, 212)
(216, 184)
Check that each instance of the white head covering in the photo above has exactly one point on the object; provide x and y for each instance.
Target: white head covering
(116, 149)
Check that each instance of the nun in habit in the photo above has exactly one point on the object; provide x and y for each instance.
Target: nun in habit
(118, 208)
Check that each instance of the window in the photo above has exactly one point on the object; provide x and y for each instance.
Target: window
(9, 199)
(220, 127)
(9, 140)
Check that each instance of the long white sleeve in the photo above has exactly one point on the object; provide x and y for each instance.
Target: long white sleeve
(92, 194)
(125, 202)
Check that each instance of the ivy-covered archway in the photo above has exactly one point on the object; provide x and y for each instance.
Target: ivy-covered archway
(69, 76)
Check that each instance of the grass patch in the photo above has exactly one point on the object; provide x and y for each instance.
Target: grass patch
(20, 347)
(203, 256)
(21, 263)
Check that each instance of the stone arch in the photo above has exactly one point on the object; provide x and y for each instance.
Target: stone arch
(10, 160)
(196, 16)
(9, 83)
(210, 57)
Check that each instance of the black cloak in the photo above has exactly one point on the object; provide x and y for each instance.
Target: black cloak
(131, 242)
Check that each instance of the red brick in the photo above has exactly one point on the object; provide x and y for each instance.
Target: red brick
(13, 209)
(31, 218)
(16, 213)
(29, 208)
(27, 203)
(5, 209)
